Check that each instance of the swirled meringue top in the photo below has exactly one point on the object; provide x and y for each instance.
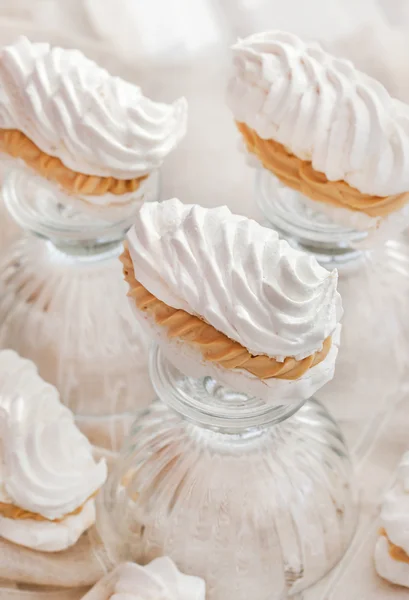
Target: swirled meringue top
(73, 109)
(160, 579)
(322, 110)
(46, 463)
(237, 275)
(395, 508)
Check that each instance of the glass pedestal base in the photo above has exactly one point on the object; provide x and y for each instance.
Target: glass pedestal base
(260, 513)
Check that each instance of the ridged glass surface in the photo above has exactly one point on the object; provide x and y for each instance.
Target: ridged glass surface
(259, 511)
(64, 305)
(70, 315)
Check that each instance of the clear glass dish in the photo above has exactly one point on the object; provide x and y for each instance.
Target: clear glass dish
(63, 304)
(259, 501)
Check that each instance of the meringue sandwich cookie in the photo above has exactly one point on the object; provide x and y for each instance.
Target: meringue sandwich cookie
(392, 547)
(321, 126)
(225, 297)
(48, 476)
(69, 120)
(160, 579)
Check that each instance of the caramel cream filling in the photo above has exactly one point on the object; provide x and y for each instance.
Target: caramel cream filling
(18, 145)
(395, 552)
(214, 346)
(10, 511)
(300, 175)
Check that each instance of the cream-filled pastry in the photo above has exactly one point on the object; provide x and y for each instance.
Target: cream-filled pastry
(392, 547)
(225, 297)
(48, 476)
(321, 126)
(160, 579)
(96, 136)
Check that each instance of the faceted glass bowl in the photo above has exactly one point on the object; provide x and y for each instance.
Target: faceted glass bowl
(259, 510)
(70, 315)
(63, 304)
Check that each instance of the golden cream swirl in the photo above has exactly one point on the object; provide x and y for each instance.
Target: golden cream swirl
(300, 175)
(214, 345)
(18, 145)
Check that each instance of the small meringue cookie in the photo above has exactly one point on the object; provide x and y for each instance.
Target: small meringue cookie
(159, 579)
(395, 521)
(48, 536)
(46, 463)
(395, 508)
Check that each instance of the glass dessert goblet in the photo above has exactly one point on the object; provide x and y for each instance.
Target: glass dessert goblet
(259, 500)
(63, 305)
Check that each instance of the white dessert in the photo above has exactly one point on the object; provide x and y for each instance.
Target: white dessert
(395, 521)
(46, 463)
(323, 110)
(73, 109)
(241, 279)
(160, 579)
(237, 275)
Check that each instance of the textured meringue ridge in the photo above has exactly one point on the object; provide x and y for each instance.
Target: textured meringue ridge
(322, 110)
(237, 276)
(47, 467)
(72, 109)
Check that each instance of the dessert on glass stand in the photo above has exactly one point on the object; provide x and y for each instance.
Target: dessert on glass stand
(331, 143)
(94, 136)
(331, 151)
(86, 148)
(48, 476)
(234, 472)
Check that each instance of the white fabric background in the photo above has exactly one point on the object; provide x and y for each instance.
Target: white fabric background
(186, 54)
